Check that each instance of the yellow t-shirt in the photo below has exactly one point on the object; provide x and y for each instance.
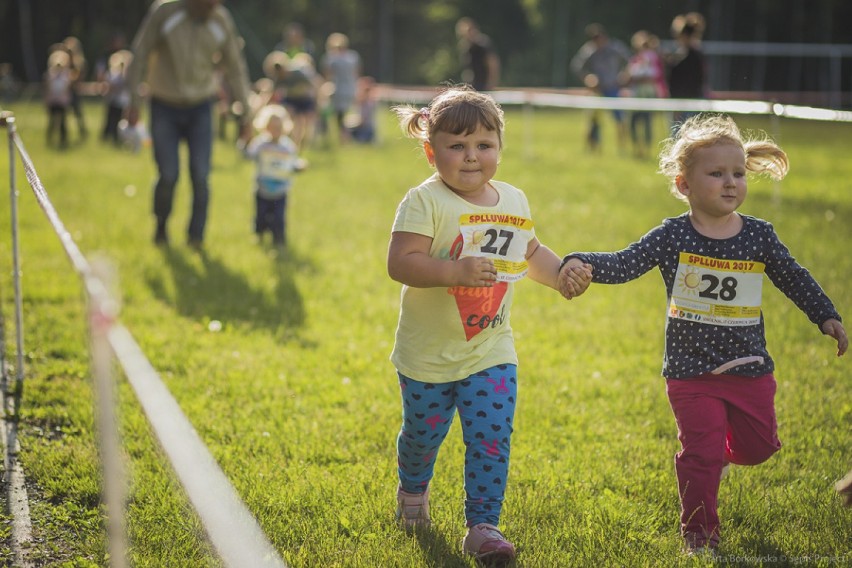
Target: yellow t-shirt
(447, 334)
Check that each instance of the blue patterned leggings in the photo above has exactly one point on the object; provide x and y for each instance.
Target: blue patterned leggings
(486, 405)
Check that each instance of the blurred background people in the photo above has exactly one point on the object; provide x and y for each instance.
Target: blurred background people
(599, 64)
(342, 66)
(116, 93)
(300, 97)
(176, 50)
(645, 78)
(363, 127)
(480, 62)
(687, 69)
(58, 84)
(296, 84)
(79, 71)
(294, 41)
(276, 159)
(116, 42)
(276, 67)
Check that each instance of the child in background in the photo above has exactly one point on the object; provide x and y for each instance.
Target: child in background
(364, 128)
(79, 70)
(460, 240)
(325, 114)
(277, 159)
(599, 64)
(646, 78)
(342, 66)
(116, 93)
(719, 375)
(58, 81)
(276, 68)
(295, 86)
(300, 98)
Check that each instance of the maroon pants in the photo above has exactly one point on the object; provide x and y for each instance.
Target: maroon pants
(720, 419)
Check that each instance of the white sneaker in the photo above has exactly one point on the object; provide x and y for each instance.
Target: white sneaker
(412, 509)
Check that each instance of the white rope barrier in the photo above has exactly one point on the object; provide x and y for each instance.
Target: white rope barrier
(232, 530)
(102, 313)
(555, 99)
(13, 473)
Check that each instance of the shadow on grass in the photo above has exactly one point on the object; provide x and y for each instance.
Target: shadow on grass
(439, 552)
(210, 289)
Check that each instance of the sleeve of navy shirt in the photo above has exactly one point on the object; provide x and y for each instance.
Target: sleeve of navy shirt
(795, 281)
(627, 264)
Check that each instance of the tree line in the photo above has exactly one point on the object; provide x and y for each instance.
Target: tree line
(413, 41)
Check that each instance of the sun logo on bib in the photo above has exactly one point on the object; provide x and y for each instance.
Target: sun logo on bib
(717, 291)
(689, 281)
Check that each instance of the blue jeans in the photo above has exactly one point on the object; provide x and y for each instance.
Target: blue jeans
(616, 113)
(485, 402)
(170, 125)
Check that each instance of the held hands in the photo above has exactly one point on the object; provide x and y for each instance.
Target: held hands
(574, 278)
(475, 271)
(835, 329)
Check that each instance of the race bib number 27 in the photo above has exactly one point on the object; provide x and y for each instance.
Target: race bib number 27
(500, 237)
(717, 291)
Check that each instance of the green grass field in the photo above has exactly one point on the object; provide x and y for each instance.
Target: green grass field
(296, 398)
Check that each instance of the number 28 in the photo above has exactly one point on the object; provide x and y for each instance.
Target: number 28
(727, 287)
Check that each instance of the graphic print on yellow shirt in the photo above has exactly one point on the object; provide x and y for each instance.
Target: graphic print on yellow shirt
(478, 307)
(502, 238)
(717, 291)
(446, 334)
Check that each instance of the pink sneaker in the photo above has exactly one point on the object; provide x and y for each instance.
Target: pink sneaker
(488, 545)
(412, 509)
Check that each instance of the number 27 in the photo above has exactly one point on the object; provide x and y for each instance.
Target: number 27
(491, 248)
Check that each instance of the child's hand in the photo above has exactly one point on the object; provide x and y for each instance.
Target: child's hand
(835, 329)
(574, 278)
(475, 271)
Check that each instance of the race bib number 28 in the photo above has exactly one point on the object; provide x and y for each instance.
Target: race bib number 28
(717, 291)
(500, 237)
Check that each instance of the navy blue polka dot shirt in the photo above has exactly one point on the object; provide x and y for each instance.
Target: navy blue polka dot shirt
(692, 348)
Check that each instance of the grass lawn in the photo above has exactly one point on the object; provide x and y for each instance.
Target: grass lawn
(296, 398)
